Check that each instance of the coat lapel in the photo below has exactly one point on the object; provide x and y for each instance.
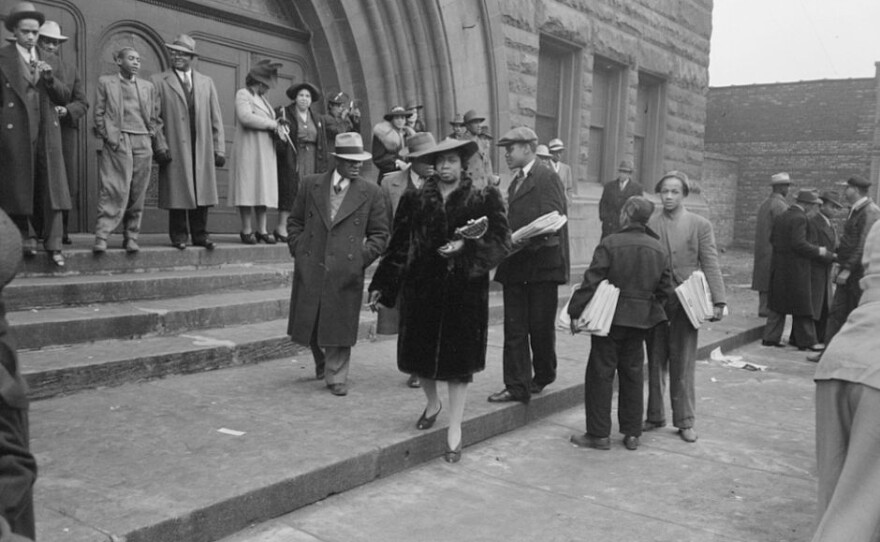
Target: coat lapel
(527, 185)
(174, 82)
(10, 64)
(354, 198)
(321, 197)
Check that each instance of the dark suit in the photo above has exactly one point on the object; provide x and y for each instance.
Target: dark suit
(634, 261)
(821, 232)
(530, 278)
(77, 108)
(790, 285)
(612, 201)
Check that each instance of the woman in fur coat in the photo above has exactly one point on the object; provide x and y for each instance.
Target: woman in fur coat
(389, 142)
(443, 281)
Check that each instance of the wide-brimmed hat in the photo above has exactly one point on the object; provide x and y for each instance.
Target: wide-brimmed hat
(52, 31)
(10, 249)
(294, 89)
(22, 10)
(807, 195)
(780, 178)
(520, 134)
(556, 145)
(543, 151)
(395, 111)
(472, 116)
(457, 120)
(626, 166)
(350, 146)
(674, 174)
(830, 196)
(265, 71)
(467, 147)
(183, 43)
(419, 143)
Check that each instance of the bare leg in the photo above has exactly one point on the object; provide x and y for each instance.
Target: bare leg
(457, 400)
(260, 210)
(430, 387)
(246, 214)
(281, 228)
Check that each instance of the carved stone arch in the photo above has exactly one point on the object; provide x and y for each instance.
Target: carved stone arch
(128, 33)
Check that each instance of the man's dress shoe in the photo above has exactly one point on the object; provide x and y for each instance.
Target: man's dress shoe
(589, 441)
(504, 396)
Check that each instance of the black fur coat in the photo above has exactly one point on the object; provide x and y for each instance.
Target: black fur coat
(444, 303)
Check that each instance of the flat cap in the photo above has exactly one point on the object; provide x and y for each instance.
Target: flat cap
(520, 134)
(639, 209)
(858, 182)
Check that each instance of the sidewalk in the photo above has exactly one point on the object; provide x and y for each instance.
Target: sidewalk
(149, 461)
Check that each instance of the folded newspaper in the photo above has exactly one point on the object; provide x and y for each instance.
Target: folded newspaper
(696, 299)
(544, 224)
(597, 316)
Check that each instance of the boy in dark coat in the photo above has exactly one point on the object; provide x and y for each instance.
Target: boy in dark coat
(633, 261)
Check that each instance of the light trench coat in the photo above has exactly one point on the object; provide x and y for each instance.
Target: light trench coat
(254, 179)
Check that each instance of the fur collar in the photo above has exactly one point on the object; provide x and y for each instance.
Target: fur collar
(391, 139)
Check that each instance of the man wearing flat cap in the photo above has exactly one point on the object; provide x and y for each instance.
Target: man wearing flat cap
(192, 133)
(821, 232)
(50, 42)
(689, 243)
(530, 276)
(634, 261)
(337, 228)
(770, 209)
(614, 194)
(790, 275)
(33, 189)
(862, 215)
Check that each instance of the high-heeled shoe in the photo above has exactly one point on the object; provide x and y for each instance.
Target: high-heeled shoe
(264, 237)
(452, 456)
(278, 237)
(248, 238)
(427, 422)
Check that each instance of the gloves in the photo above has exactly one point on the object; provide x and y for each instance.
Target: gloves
(219, 160)
(162, 157)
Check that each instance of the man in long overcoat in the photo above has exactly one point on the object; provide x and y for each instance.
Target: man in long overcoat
(49, 42)
(614, 195)
(193, 135)
(821, 232)
(769, 210)
(790, 282)
(338, 227)
(30, 141)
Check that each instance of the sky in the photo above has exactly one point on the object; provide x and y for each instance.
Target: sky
(773, 41)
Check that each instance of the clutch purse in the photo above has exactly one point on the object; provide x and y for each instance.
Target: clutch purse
(473, 229)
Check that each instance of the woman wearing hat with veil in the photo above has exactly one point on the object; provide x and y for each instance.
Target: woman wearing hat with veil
(443, 278)
(302, 153)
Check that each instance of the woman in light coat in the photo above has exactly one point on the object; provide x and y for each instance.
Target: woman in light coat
(253, 186)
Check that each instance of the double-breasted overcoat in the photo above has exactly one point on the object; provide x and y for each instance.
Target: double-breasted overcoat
(330, 256)
(185, 183)
(793, 253)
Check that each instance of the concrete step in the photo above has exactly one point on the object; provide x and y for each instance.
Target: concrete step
(73, 290)
(41, 328)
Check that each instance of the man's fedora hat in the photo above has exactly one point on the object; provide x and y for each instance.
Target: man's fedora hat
(830, 196)
(472, 116)
(294, 89)
(520, 134)
(350, 146)
(556, 145)
(419, 143)
(807, 195)
(396, 111)
(780, 178)
(266, 72)
(674, 174)
(466, 148)
(543, 151)
(22, 10)
(184, 44)
(457, 120)
(413, 105)
(52, 31)
(626, 166)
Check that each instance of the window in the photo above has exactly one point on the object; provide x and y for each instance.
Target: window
(607, 120)
(649, 133)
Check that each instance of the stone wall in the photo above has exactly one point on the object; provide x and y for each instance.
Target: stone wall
(821, 132)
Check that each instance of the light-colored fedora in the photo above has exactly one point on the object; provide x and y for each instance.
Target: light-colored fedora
(183, 43)
(350, 146)
(52, 30)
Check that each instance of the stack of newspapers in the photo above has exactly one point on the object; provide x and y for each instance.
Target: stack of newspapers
(599, 313)
(695, 298)
(544, 224)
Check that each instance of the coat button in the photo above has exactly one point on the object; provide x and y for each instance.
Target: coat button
(350, 257)
(11, 104)
(9, 126)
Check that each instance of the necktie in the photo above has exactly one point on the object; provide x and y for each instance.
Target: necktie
(186, 83)
(514, 185)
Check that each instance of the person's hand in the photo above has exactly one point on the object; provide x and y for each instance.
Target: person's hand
(717, 313)
(451, 248)
(373, 301)
(44, 69)
(283, 122)
(574, 326)
(61, 111)
(219, 160)
(162, 157)
(842, 277)
(400, 164)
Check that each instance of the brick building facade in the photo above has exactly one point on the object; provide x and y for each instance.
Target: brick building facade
(615, 79)
(821, 132)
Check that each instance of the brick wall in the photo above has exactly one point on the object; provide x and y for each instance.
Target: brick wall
(719, 188)
(821, 132)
